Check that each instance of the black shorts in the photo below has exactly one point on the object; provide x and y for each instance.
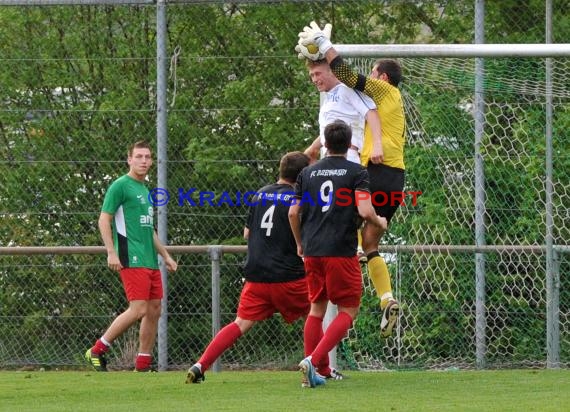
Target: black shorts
(386, 186)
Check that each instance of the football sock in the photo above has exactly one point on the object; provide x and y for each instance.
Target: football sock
(100, 347)
(225, 338)
(333, 335)
(312, 333)
(143, 361)
(378, 273)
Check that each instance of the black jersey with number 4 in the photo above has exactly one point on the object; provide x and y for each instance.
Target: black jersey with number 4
(329, 216)
(271, 248)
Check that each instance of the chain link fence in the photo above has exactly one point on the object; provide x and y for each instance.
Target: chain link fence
(78, 85)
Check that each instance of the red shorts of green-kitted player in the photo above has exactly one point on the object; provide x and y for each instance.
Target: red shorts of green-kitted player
(142, 283)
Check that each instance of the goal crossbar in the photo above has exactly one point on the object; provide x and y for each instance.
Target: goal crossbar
(454, 50)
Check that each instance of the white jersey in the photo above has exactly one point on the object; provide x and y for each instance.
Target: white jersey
(348, 105)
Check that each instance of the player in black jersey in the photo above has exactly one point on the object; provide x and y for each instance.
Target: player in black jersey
(274, 273)
(332, 196)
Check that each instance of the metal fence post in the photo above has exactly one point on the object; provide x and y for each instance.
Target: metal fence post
(479, 112)
(552, 262)
(162, 160)
(215, 255)
(553, 310)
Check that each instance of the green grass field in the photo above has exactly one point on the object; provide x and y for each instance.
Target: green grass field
(505, 390)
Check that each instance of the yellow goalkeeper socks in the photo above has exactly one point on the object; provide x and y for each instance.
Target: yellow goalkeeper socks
(378, 272)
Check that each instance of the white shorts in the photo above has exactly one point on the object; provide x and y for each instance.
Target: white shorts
(353, 155)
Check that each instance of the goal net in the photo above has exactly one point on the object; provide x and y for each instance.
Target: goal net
(438, 291)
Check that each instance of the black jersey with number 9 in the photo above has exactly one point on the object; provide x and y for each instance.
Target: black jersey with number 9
(329, 216)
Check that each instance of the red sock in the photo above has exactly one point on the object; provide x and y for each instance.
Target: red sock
(334, 334)
(312, 336)
(225, 338)
(143, 361)
(312, 333)
(99, 347)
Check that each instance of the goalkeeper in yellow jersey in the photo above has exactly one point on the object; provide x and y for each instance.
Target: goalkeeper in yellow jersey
(386, 177)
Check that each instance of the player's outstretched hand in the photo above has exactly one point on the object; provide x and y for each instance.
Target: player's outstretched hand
(313, 42)
(310, 51)
(313, 35)
(313, 31)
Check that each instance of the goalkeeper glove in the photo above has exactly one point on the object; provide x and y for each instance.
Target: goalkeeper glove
(304, 52)
(314, 35)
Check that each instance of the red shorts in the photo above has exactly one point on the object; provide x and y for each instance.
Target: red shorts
(142, 283)
(259, 301)
(336, 278)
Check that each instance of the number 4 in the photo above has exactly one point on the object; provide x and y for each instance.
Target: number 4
(267, 220)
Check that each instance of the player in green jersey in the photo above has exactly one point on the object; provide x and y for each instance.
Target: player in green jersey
(127, 229)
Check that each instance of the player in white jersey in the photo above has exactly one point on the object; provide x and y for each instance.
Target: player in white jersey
(348, 105)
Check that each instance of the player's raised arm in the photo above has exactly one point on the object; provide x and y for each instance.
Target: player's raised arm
(312, 37)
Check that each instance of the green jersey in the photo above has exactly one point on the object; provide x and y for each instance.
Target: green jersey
(133, 228)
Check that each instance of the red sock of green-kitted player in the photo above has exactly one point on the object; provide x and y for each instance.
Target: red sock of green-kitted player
(143, 362)
(100, 347)
(95, 355)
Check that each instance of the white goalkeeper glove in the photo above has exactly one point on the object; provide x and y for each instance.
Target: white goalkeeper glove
(304, 52)
(313, 35)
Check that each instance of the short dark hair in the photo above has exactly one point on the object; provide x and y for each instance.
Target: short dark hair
(141, 144)
(338, 136)
(291, 165)
(392, 68)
